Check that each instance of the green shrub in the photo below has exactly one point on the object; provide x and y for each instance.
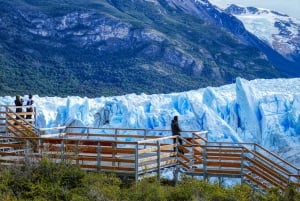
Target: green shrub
(48, 181)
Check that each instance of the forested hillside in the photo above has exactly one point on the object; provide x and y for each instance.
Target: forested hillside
(103, 48)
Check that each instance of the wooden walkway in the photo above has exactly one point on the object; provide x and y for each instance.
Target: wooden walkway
(137, 153)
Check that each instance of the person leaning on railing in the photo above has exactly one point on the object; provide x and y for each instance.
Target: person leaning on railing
(176, 132)
(29, 109)
(19, 103)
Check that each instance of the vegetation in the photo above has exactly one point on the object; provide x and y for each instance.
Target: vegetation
(64, 182)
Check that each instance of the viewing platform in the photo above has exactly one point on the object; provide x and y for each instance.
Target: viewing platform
(139, 153)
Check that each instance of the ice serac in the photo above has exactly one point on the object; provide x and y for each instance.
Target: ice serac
(248, 112)
(220, 116)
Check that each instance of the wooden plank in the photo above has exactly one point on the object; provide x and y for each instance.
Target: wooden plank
(269, 170)
(104, 159)
(185, 158)
(223, 154)
(224, 158)
(223, 172)
(112, 135)
(223, 150)
(148, 150)
(218, 172)
(148, 159)
(184, 165)
(21, 129)
(223, 164)
(15, 146)
(183, 148)
(121, 150)
(266, 177)
(257, 182)
(198, 160)
(154, 165)
(264, 158)
(12, 153)
(197, 151)
(86, 149)
(110, 168)
(51, 140)
(166, 147)
(19, 113)
(154, 158)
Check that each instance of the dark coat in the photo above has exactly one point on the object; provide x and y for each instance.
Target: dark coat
(19, 102)
(175, 127)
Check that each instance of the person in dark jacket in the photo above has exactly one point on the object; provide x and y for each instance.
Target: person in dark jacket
(19, 104)
(176, 131)
(28, 106)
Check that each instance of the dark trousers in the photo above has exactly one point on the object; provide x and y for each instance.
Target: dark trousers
(180, 142)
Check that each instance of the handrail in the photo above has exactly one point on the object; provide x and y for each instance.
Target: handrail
(21, 118)
(198, 133)
(259, 146)
(217, 158)
(277, 157)
(156, 155)
(157, 139)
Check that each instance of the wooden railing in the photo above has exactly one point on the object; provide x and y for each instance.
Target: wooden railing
(143, 155)
(15, 123)
(248, 161)
(139, 152)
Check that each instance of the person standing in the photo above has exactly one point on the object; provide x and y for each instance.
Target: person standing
(176, 132)
(19, 103)
(29, 108)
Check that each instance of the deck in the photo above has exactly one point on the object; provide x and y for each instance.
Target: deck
(138, 153)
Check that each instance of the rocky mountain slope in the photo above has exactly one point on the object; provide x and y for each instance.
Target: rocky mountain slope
(114, 47)
(279, 31)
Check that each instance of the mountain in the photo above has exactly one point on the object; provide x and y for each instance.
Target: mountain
(224, 19)
(114, 47)
(279, 31)
(262, 111)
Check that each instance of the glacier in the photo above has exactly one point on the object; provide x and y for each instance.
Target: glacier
(262, 111)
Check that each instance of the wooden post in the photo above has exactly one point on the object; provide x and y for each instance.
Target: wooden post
(116, 133)
(40, 146)
(98, 156)
(77, 152)
(298, 172)
(145, 133)
(6, 121)
(113, 146)
(158, 160)
(177, 165)
(242, 166)
(62, 146)
(27, 150)
(205, 162)
(193, 150)
(136, 162)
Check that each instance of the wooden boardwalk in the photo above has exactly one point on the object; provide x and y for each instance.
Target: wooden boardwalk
(137, 153)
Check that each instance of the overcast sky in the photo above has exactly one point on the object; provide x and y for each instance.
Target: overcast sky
(289, 7)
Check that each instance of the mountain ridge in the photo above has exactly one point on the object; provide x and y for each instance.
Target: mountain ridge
(278, 30)
(117, 47)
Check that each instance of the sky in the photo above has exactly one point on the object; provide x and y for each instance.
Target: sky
(289, 7)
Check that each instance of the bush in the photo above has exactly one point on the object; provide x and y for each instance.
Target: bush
(65, 182)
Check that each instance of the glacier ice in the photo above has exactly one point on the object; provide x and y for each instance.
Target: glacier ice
(263, 111)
